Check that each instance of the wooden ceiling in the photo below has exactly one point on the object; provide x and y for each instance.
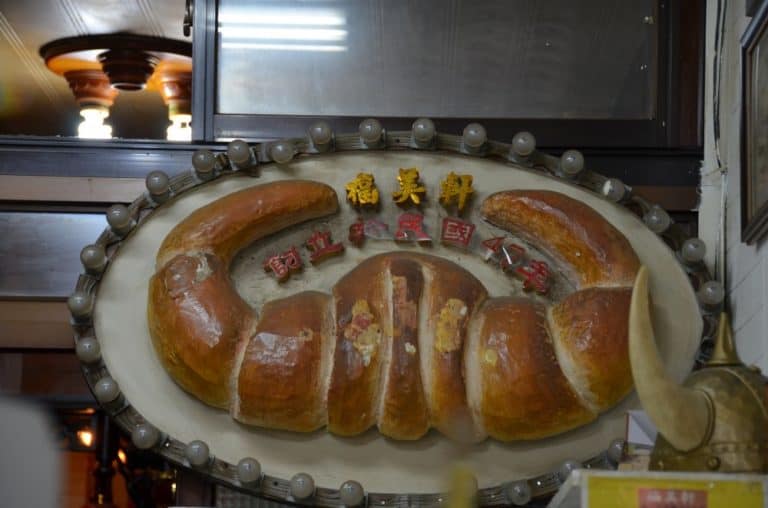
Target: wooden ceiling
(34, 101)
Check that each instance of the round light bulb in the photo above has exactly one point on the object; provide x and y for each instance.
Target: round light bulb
(93, 258)
(239, 153)
(614, 189)
(320, 133)
(80, 305)
(615, 451)
(281, 152)
(93, 125)
(518, 492)
(158, 183)
(693, 250)
(180, 128)
(474, 136)
(197, 453)
(302, 486)
(248, 470)
(711, 293)
(370, 131)
(204, 162)
(571, 163)
(351, 493)
(423, 130)
(145, 436)
(106, 390)
(119, 219)
(566, 468)
(88, 350)
(657, 219)
(523, 144)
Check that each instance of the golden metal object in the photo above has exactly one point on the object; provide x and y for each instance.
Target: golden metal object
(410, 187)
(456, 189)
(718, 419)
(362, 190)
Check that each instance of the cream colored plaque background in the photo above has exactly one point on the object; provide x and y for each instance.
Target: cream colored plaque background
(381, 465)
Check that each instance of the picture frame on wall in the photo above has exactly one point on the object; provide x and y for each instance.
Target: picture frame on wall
(754, 138)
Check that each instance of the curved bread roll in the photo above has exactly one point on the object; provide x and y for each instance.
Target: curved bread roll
(197, 321)
(524, 393)
(404, 341)
(591, 250)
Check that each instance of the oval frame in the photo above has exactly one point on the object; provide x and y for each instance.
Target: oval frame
(129, 419)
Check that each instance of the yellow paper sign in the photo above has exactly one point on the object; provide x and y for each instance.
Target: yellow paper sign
(618, 492)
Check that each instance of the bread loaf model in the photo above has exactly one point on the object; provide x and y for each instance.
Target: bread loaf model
(404, 341)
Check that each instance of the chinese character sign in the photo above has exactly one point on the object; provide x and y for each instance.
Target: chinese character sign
(357, 233)
(508, 256)
(410, 228)
(535, 275)
(671, 498)
(410, 189)
(456, 189)
(322, 247)
(377, 230)
(362, 190)
(456, 232)
(511, 256)
(493, 247)
(282, 265)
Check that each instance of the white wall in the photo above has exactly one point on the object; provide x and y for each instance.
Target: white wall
(746, 266)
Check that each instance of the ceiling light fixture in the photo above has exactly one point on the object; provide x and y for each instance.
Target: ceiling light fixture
(93, 125)
(173, 80)
(97, 67)
(95, 96)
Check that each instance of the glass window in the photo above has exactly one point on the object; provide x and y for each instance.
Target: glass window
(549, 59)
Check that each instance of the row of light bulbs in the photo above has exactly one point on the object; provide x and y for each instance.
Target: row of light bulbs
(241, 156)
(373, 136)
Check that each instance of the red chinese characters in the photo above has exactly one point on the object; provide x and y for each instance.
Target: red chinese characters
(512, 258)
(370, 228)
(282, 265)
(377, 230)
(492, 246)
(535, 275)
(456, 232)
(508, 256)
(321, 246)
(357, 233)
(410, 228)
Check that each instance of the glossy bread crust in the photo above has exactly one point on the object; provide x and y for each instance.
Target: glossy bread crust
(452, 301)
(590, 328)
(403, 411)
(228, 224)
(525, 394)
(289, 345)
(404, 341)
(362, 314)
(196, 321)
(593, 252)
